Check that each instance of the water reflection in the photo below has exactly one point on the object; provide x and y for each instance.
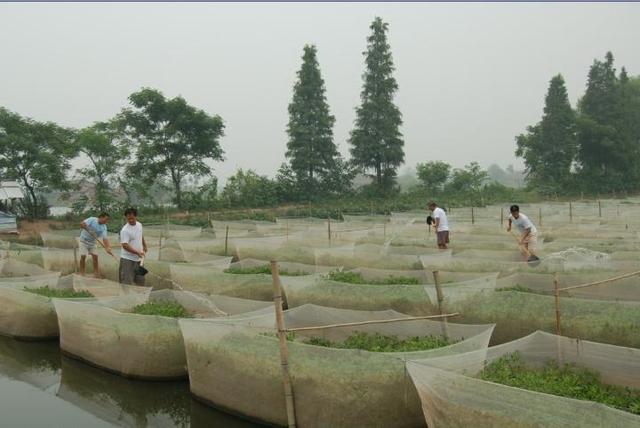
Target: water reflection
(111, 398)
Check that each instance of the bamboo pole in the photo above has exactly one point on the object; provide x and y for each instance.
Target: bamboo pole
(501, 218)
(75, 259)
(557, 297)
(350, 324)
(599, 209)
(329, 228)
(604, 281)
(226, 240)
(284, 352)
(440, 295)
(540, 216)
(570, 213)
(160, 246)
(286, 229)
(473, 217)
(385, 229)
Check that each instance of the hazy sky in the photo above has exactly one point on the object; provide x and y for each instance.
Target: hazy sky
(471, 76)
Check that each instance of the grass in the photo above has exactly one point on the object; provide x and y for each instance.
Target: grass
(262, 269)
(357, 278)
(516, 287)
(58, 293)
(165, 309)
(375, 342)
(567, 381)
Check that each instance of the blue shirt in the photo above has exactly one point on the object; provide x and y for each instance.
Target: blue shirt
(100, 230)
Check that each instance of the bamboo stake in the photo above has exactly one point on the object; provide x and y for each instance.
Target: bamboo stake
(350, 324)
(540, 216)
(599, 209)
(385, 229)
(570, 213)
(286, 229)
(226, 240)
(284, 352)
(557, 297)
(473, 217)
(329, 228)
(440, 295)
(160, 246)
(501, 218)
(75, 259)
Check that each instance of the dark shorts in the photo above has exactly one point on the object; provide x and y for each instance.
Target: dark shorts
(443, 237)
(127, 272)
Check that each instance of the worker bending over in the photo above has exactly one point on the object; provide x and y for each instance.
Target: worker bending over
(528, 232)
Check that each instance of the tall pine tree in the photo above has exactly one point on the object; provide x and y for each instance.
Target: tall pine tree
(376, 141)
(310, 149)
(549, 147)
(602, 154)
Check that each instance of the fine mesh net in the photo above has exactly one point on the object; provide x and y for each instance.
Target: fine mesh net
(107, 334)
(452, 395)
(333, 387)
(28, 315)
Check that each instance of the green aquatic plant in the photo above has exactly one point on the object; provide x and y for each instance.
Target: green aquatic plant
(264, 269)
(565, 381)
(516, 287)
(357, 278)
(381, 343)
(59, 293)
(165, 309)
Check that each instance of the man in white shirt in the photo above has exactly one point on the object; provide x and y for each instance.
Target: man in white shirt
(133, 250)
(441, 225)
(528, 231)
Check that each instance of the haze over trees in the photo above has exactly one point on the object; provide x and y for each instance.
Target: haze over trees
(594, 148)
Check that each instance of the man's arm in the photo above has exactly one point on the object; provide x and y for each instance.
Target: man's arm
(436, 223)
(509, 227)
(144, 245)
(525, 235)
(107, 246)
(132, 250)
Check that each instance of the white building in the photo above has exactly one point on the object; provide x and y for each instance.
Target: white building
(10, 192)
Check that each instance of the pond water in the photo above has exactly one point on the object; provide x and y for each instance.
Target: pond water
(42, 388)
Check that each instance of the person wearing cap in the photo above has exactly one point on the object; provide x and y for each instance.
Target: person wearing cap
(440, 224)
(528, 232)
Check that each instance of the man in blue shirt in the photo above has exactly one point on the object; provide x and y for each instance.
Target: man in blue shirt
(92, 228)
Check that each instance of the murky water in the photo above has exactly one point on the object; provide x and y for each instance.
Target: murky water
(41, 388)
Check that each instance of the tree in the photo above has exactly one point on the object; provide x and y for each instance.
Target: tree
(468, 181)
(173, 138)
(549, 147)
(433, 174)
(310, 149)
(36, 154)
(376, 141)
(248, 189)
(602, 156)
(102, 144)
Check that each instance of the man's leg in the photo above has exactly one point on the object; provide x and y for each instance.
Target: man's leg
(127, 271)
(96, 268)
(83, 260)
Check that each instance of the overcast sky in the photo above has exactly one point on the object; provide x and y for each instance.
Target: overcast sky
(471, 76)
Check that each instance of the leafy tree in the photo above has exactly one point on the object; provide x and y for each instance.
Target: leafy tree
(36, 154)
(376, 141)
(339, 179)
(467, 181)
(248, 189)
(549, 147)
(102, 144)
(173, 138)
(433, 174)
(287, 188)
(310, 148)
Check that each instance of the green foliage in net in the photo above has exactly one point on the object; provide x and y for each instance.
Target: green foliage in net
(381, 343)
(265, 269)
(566, 381)
(58, 293)
(165, 309)
(357, 278)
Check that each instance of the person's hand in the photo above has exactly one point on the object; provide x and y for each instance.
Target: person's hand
(109, 251)
(141, 253)
(509, 228)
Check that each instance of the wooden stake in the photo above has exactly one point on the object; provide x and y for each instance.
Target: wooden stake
(540, 216)
(557, 296)
(440, 295)
(473, 217)
(385, 229)
(501, 218)
(286, 229)
(599, 209)
(570, 213)
(226, 240)
(160, 246)
(329, 228)
(75, 259)
(284, 352)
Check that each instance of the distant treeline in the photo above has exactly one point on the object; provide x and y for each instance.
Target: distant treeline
(158, 150)
(593, 148)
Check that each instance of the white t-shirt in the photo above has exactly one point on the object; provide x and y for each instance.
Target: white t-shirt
(131, 235)
(523, 223)
(444, 223)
